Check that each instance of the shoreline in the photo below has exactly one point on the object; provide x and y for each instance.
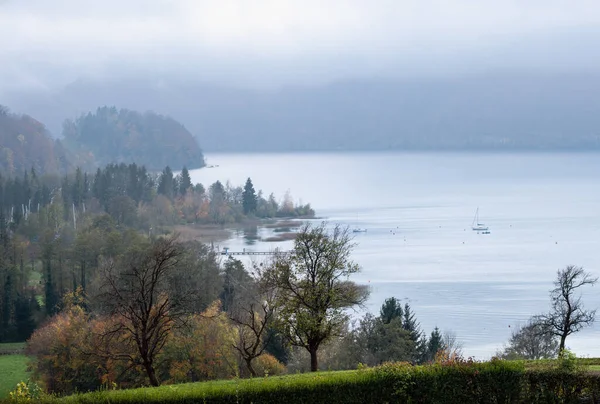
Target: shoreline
(215, 233)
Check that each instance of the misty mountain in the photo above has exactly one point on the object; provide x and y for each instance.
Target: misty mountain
(499, 112)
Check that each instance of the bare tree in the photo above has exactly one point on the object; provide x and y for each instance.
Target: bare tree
(137, 292)
(252, 318)
(315, 288)
(452, 346)
(531, 341)
(567, 314)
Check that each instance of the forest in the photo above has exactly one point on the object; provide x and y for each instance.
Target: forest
(123, 136)
(25, 143)
(54, 229)
(94, 140)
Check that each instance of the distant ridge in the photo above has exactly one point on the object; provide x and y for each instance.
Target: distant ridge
(495, 112)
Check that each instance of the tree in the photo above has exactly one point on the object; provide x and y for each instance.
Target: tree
(315, 287)
(203, 349)
(235, 282)
(166, 183)
(390, 342)
(218, 208)
(253, 314)
(249, 200)
(185, 181)
(531, 341)
(137, 291)
(434, 345)
(390, 309)
(411, 325)
(123, 209)
(567, 314)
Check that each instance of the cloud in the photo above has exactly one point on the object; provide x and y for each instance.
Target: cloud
(69, 38)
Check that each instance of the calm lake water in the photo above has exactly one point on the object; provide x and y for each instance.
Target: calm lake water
(543, 211)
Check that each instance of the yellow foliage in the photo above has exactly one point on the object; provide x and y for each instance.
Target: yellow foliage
(268, 365)
(203, 350)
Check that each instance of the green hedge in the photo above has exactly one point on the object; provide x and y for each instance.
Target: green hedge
(466, 382)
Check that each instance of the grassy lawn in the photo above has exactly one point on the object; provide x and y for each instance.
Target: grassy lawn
(595, 368)
(13, 369)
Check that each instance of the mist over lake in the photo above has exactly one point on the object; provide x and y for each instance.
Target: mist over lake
(542, 210)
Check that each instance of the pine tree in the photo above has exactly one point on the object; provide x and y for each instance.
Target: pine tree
(165, 183)
(390, 309)
(410, 323)
(249, 200)
(435, 344)
(185, 182)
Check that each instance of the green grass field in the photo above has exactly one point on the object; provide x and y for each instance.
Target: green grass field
(13, 369)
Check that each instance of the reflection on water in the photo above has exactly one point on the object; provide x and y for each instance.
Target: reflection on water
(542, 210)
(250, 234)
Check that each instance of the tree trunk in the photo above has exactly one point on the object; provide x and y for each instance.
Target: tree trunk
(561, 347)
(314, 361)
(250, 368)
(151, 373)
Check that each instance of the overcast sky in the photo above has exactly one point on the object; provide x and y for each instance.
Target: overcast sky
(49, 43)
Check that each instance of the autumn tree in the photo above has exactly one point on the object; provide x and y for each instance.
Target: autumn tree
(567, 314)
(137, 290)
(203, 349)
(315, 289)
(58, 347)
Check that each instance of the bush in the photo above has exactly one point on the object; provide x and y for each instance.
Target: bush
(267, 365)
(457, 381)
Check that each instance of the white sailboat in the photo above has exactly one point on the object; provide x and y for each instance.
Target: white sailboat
(476, 226)
(358, 229)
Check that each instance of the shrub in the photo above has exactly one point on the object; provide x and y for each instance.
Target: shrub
(463, 381)
(268, 365)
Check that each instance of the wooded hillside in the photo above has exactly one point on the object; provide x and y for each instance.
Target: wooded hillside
(25, 143)
(124, 136)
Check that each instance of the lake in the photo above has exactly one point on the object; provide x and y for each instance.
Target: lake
(543, 211)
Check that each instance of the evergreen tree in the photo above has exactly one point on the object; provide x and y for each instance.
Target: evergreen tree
(166, 183)
(24, 321)
(249, 200)
(410, 323)
(7, 304)
(235, 282)
(390, 309)
(185, 182)
(435, 344)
